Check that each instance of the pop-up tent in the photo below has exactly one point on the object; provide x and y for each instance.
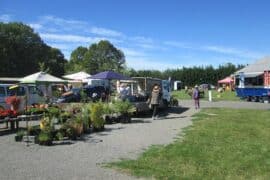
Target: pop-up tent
(79, 76)
(226, 83)
(226, 80)
(110, 75)
(44, 80)
(41, 77)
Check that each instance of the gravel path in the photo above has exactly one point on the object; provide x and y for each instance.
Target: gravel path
(83, 159)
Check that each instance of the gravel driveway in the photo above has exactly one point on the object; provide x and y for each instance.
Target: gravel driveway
(82, 159)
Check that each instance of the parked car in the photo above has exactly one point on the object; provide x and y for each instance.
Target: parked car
(93, 93)
(71, 96)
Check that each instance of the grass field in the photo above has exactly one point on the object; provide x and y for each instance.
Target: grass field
(221, 144)
(216, 96)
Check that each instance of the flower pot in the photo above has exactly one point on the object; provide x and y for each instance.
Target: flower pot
(18, 138)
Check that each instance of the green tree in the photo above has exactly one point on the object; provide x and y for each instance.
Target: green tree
(75, 63)
(103, 56)
(22, 51)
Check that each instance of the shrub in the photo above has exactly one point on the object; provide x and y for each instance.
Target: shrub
(19, 135)
(96, 114)
(45, 138)
(85, 116)
(124, 107)
(59, 136)
(53, 112)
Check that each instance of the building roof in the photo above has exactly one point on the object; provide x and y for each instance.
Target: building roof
(258, 67)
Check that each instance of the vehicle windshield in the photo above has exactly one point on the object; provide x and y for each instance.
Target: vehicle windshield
(20, 91)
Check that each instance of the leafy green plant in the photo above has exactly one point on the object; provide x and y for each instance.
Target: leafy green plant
(45, 138)
(19, 135)
(124, 107)
(85, 116)
(53, 112)
(96, 114)
(59, 136)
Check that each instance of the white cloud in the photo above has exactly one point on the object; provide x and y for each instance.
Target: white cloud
(131, 52)
(35, 26)
(61, 21)
(5, 17)
(178, 44)
(233, 51)
(216, 49)
(142, 39)
(148, 63)
(105, 32)
(67, 38)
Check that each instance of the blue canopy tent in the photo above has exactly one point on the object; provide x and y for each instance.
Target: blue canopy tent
(110, 75)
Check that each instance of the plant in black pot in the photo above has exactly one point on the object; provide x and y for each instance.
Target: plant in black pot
(85, 116)
(125, 109)
(45, 138)
(96, 116)
(19, 135)
(108, 112)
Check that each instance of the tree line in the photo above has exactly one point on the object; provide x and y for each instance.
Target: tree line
(23, 52)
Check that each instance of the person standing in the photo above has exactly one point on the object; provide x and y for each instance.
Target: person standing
(196, 97)
(155, 98)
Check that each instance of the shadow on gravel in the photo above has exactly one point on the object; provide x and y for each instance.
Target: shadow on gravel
(134, 121)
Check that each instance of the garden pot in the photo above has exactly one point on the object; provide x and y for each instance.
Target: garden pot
(125, 118)
(45, 143)
(18, 138)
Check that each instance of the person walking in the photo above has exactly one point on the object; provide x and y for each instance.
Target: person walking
(196, 97)
(155, 98)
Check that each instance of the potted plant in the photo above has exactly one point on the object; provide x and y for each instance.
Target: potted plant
(96, 114)
(125, 109)
(45, 138)
(78, 126)
(108, 112)
(19, 135)
(85, 116)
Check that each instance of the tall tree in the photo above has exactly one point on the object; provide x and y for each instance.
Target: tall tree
(75, 63)
(103, 56)
(22, 51)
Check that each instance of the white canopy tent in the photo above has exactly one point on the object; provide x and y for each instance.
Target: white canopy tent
(41, 77)
(79, 76)
(43, 80)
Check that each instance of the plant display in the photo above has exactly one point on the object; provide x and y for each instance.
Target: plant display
(14, 102)
(96, 114)
(19, 135)
(59, 136)
(85, 116)
(45, 138)
(53, 112)
(34, 130)
(124, 107)
(8, 113)
(35, 110)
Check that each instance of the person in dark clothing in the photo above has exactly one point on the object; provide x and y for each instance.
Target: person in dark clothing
(155, 98)
(196, 97)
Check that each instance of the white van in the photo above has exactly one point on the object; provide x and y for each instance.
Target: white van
(34, 96)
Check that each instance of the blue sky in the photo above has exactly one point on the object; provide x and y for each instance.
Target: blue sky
(153, 34)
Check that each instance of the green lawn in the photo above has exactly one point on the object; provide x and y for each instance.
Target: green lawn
(221, 144)
(216, 96)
